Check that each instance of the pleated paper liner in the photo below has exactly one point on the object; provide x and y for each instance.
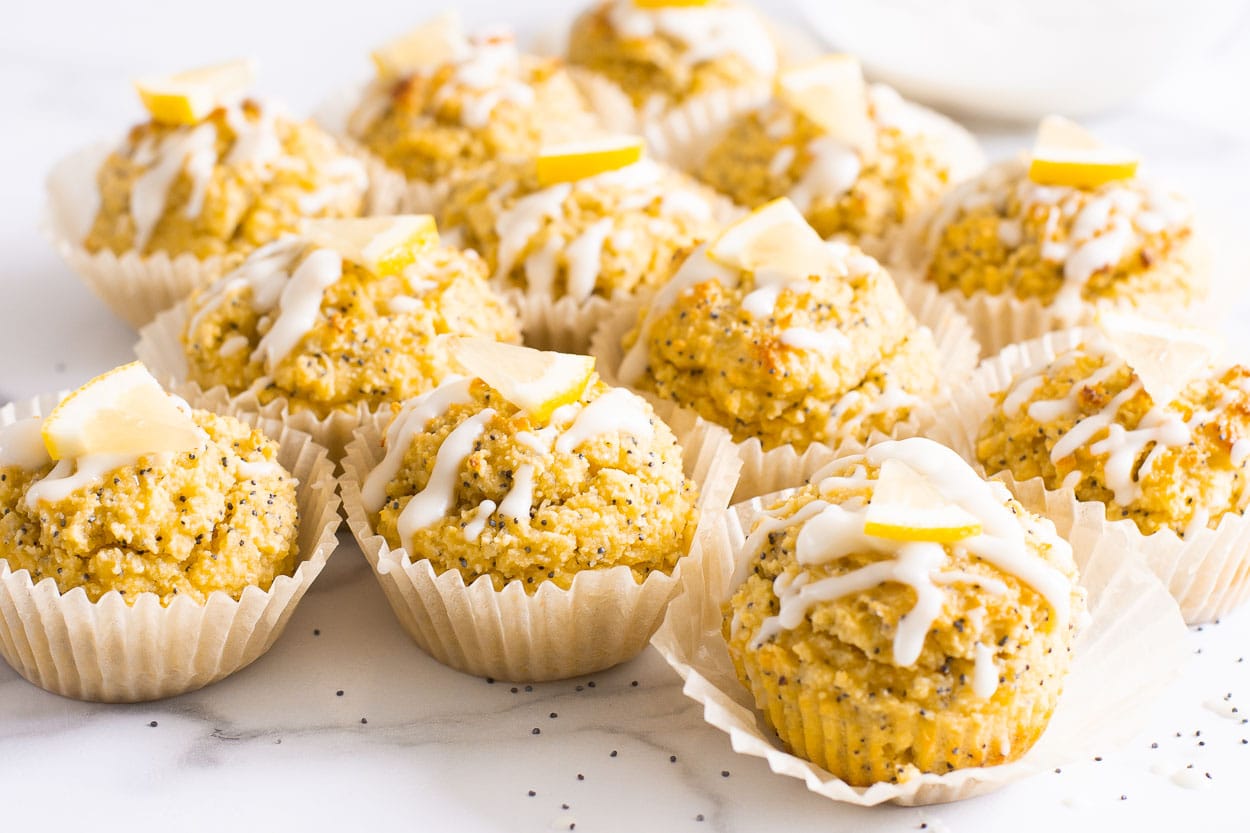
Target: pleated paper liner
(109, 651)
(1125, 656)
(1208, 572)
(160, 348)
(604, 618)
(784, 466)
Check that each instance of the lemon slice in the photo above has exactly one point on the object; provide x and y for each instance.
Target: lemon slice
(906, 507)
(774, 238)
(1067, 154)
(536, 381)
(578, 160)
(438, 41)
(188, 97)
(831, 92)
(383, 245)
(123, 411)
(1164, 357)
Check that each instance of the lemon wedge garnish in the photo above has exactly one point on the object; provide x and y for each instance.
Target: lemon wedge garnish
(383, 245)
(536, 381)
(578, 160)
(438, 41)
(1067, 154)
(831, 92)
(123, 411)
(774, 238)
(188, 97)
(1164, 357)
(906, 507)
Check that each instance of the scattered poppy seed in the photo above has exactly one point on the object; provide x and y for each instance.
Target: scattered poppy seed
(338, 693)
(363, 721)
(553, 715)
(581, 777)
(532, 793)
(672, 759)
(153, 725)
(699, 817)
(536, 731)
(724, 773)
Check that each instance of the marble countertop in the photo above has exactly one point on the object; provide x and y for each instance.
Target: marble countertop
(345, 723)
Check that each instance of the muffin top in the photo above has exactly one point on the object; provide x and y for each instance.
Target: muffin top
(806, 342)
(858, 172)
(1167, 453)
(239, 177)
(662, 54)
(901, 574)
(330, 325)
(218, 514)
(477, 483)
(485, 100)
(1065, 243)
(611, 232)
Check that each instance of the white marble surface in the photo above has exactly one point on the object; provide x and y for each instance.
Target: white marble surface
(441, 751)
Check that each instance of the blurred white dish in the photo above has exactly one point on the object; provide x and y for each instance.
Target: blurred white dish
(1020, 59)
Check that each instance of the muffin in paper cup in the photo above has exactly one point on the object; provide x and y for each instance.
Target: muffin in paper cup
(1130, 649)
(1206, 571)
(604, 618)
(111, 651)
(1166, 276)
(784, 466)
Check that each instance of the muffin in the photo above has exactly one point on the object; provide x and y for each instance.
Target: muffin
(320, 325)
(123, 511)
(856, 159)
(900, 615)
(663, 54)
(515, 493)
(439, 114)
(1086, 423)
(208, 186)
(780, 337)
(1026, 252)
(603, 228)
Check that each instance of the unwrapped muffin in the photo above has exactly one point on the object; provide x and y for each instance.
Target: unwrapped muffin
(902, 615)
(1042, 244)
(662, 54)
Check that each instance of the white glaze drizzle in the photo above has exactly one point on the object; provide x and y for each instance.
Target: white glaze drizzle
(708, 32)
(833, 169)
(477, 523)
(520, 498)
(299, 305)
(617, 411)
(22, 446)
(432, 503)
(984, 672)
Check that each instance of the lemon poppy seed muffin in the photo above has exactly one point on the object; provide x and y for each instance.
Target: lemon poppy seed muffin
(1126, 241)
(819, 349)
(221, 516)
(476, 484)
(312, 323)
(865, 190)
(901, 615)
(1087, 422)
(661, 56)
(607, 234)
(487, 101)
(241, 177)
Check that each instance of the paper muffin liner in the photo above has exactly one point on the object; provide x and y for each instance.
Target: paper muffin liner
(161, 350)
(109, 651)
(1127, 653)
(603, 619)
(683, 135)
(134, 287)
(1208, 572)
(784, 466)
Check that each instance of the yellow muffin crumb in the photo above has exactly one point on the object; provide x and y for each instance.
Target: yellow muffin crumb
(238, 180)
(609, 234)
(220, 518)
(1085, 423)
(613, 498)
(832, 683)
(370, 339)
(661, 57)
(835, 357)
(1125, 241)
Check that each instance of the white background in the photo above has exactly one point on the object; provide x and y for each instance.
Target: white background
(442, 751)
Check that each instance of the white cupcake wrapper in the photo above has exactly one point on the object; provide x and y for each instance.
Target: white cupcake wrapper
(603, 619)
(1131, 649)
(160, 348)
(109, 651)
(784, 467)
(683, 135)
(1208, 573)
